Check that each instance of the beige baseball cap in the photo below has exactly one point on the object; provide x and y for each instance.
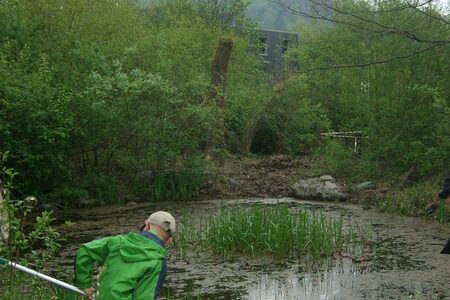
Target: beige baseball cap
(163, 220)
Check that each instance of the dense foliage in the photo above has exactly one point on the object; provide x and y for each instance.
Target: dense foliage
(110, 99)
(94, 94)
(382, 69)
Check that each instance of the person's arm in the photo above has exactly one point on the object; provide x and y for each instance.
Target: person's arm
(149, 286)
(95, 251)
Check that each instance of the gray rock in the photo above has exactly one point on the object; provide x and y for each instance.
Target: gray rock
(31, 201)
(326, 178)
(323, 188)
(365, 186)
(131, 204)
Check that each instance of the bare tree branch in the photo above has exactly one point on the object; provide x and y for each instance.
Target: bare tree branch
(318, 16)
(371, 63)
(432, 16)
(365, 22)
(368, 38)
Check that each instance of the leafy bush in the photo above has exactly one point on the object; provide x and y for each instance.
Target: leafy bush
(35, 119)
(67, 196)
(22, 241)
(292, 124)
(32, 244)
(112, 103)
(337, 159)
(174, 184)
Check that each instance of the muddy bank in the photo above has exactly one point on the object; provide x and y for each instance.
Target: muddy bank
(271, 176)
(401, 260)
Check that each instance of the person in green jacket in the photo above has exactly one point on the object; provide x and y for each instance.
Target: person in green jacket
(134, 265)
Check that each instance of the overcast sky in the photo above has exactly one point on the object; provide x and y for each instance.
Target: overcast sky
(445, 4)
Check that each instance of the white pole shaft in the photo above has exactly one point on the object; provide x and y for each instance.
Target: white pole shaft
(47, 278)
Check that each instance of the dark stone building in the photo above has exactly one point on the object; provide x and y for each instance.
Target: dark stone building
(273, 46)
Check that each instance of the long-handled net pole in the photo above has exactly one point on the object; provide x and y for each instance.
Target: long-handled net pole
(4, 261)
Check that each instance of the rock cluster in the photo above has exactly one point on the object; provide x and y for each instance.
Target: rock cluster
(322, 188)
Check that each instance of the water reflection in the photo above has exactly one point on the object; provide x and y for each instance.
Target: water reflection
(325, 283)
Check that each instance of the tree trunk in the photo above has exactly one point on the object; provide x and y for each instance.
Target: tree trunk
(218, 77)
(247, 136)
(219, 71)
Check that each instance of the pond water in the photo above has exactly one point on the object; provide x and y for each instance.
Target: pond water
(400, 261)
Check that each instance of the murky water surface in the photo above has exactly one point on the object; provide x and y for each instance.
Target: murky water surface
(401, 260)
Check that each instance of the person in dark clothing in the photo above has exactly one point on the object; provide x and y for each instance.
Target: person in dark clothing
(445, 194)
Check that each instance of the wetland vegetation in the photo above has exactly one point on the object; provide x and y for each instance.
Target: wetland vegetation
(256, 231)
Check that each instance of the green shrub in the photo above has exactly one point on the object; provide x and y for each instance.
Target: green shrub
(173, 184)
(36, 120)
(413, 201)
(101, 186)
(336, 159)
(67, 196)
(292, 125)
(29, 243)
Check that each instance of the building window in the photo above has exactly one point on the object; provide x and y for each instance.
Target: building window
(284, 46)
(262, 45)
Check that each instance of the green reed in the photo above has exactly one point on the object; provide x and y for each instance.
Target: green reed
(276, 231)
(176, 184)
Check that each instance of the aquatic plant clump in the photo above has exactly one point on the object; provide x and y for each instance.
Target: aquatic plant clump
(276, 231)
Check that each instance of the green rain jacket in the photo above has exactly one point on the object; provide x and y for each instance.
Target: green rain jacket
(134, 266)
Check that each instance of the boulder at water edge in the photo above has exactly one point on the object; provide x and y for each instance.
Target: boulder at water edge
(322, 188)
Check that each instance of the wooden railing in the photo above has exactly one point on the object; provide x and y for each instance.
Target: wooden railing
(357, 137)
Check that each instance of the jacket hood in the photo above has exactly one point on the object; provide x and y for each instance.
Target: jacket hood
(135, 247)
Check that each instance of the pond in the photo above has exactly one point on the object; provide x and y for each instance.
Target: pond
(401, 259)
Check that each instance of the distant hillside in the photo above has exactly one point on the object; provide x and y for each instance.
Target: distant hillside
(268, 15)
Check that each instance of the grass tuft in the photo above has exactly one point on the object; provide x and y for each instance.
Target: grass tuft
(276, 231)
